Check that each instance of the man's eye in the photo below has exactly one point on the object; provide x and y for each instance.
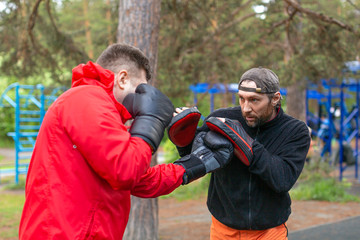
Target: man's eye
(254, 100)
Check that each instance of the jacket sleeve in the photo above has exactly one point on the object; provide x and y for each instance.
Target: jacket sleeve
(159, 180)
(281, 170)
(94, 126)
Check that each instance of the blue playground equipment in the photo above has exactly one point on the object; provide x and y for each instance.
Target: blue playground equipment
(334, 120)
(212, 89)
(30, 103)
(323, 124)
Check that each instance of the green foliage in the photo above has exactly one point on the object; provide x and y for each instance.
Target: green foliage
(192, 190)
(170, 152)
(199, 41)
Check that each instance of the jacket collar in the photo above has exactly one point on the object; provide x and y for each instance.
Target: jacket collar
(93, 74)
(273, 121)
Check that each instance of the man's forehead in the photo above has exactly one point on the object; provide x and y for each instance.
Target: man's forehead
(248, 83)
(247, 94)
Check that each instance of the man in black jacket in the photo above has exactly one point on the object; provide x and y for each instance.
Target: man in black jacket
(251, 200)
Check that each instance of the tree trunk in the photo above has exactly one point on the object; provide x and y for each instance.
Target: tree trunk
(295, 98)
(87, 29)
(139, 26)
(23, 34)
(295, 101)
(139, 23)
(108, 20)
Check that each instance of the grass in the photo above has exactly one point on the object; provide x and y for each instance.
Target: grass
(328, 189)
(317, 183)
(12, 198)
(6, 143)
(11, 204)
(13, 186)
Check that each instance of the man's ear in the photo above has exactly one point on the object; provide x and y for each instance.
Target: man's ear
(276, 98)
(121, 78)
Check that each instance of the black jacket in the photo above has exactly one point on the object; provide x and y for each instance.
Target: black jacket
(256, 197)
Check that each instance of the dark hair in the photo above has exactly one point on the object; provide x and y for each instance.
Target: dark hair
(117, 56)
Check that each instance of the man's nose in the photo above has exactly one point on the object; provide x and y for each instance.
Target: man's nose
(247, 107)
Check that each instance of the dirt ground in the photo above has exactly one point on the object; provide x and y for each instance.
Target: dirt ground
(190, 219)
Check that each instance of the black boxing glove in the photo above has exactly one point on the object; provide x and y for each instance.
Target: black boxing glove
(234, 131)
(152, 112)
(182, 128)
(210, 152)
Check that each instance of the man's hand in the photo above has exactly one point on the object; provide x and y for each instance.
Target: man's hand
(234, 131)
(152, 112)
(210, 151)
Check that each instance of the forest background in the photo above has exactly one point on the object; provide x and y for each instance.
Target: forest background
(211, 41)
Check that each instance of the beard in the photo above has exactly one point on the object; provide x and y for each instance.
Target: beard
(260, 120)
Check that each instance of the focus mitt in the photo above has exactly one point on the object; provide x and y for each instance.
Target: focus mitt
(234, 131)
(182, 128)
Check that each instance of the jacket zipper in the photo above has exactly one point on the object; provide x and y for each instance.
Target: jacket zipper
(257, 133)
(250, 202)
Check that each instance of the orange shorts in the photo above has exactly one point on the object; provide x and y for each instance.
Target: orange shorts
(220, 231)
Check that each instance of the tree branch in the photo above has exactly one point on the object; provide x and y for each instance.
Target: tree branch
(352, 4)
(320, 16)
(31, 25)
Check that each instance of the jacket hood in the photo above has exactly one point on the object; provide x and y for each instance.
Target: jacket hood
(93, 74)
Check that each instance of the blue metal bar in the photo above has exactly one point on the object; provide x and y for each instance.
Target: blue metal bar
(22, 142)
(25, 149)
(211, 102)
(357, 128)
(4, 96)
(42, 102)
(352, 135)
(9, 100)
(341, 137)
(29, 127)
(351, 116)
(330, 121)
(30, 119)
(17, 134)
(30, 112)
(307, 106)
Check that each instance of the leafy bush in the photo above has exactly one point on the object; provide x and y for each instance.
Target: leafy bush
(316, 183)
(328, 189)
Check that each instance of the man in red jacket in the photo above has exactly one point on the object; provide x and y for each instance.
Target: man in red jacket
(86, 162)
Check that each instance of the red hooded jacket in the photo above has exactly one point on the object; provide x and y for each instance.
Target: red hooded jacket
(85, 165)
